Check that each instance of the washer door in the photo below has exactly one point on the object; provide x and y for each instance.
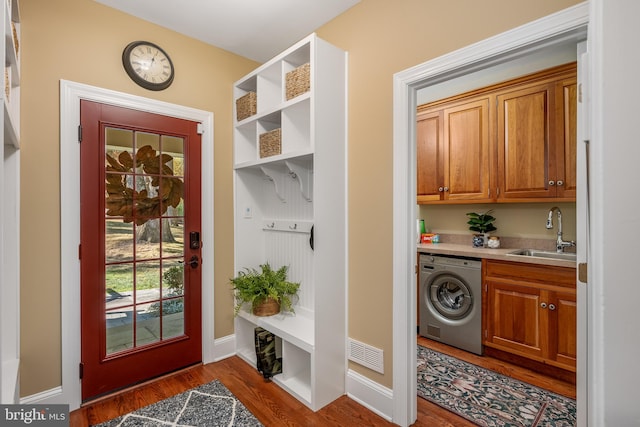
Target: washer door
(450, 296)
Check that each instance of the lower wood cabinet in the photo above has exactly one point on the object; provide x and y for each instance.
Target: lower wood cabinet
(530, 311)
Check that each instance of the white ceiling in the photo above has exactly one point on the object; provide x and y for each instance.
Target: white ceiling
(255, 29)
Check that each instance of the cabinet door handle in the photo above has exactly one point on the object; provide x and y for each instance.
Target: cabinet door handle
(441, 189)
(446, 189)
(552, 307)
(552, 183)
(543, 304)
(560, 183)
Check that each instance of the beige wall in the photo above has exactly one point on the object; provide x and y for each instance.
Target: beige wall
(384, 37)
(526, 220)
(81, 41)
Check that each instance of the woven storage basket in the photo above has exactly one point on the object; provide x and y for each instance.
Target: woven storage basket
(246, 106)
(15, 37)
(7, 83)
(298, 81)
(268, 307)
(270, 143)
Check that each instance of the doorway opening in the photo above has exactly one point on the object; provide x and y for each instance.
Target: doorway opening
(567, 26)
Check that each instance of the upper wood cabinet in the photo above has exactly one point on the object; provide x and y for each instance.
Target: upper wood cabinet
(510, 142)
(536, 139)
(453, 152)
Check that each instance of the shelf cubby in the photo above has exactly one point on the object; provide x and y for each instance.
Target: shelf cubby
(281, 198)
(10, 364)
(269, 88)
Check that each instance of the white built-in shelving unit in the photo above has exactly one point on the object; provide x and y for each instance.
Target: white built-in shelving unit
(279, 200)
(10, 208)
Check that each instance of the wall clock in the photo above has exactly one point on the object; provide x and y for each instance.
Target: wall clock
(148, 65)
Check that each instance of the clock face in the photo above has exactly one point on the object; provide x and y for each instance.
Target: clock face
(148, 65)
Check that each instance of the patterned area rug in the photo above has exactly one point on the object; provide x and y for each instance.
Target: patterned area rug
(207, 405)
(487, 398)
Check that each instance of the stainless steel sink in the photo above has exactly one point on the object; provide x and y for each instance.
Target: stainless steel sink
(568, 256)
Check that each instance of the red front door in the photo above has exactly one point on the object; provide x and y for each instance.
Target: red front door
(140, 246)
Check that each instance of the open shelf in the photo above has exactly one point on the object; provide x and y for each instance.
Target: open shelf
(296, 372)
(11, 130)
(10, 209)
(280, 199)
(12, 72)
(296, 329)
(293, 117)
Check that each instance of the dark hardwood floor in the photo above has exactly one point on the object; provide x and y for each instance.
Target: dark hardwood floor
(274, 407)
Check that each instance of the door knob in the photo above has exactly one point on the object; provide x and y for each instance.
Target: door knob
(193, 262)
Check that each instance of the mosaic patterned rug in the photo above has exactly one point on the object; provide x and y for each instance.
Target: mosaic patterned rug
(487, 398)
(209, 405)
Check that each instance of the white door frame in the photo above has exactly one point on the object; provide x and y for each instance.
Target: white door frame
(565, 26)
(70, 95)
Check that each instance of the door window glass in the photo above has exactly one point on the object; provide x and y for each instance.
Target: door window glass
(144, 238)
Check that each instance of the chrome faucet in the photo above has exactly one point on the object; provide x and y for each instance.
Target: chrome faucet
(560, 244)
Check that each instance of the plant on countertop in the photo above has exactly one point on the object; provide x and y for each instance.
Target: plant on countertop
(481, 222)
(257, 287)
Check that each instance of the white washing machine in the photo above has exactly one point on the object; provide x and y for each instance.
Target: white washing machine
(451, 301)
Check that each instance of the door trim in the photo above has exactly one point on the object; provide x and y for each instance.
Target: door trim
(70, 95)
(562, 27)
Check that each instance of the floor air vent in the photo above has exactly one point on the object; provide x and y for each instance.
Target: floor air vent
(366, 355)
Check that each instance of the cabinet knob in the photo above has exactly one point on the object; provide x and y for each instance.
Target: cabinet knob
(446, 189)
(543, 304)
(552, 307)
(441, 189)
(560, 183)
(552, 183)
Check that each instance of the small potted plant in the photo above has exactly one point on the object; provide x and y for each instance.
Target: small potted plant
(267, 291)
(482, 224)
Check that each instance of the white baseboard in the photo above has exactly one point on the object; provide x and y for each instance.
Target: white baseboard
(10, 375)
(50, 396)
(224, 347)
(370, 394)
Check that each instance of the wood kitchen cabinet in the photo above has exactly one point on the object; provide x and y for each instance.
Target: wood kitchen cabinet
(510, 142)
(454, 152)
(530, 311)
(536, 139)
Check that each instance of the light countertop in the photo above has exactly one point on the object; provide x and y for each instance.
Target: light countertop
(488, 253)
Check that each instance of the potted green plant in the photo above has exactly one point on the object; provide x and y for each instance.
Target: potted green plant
(267, 290)
(482, 224)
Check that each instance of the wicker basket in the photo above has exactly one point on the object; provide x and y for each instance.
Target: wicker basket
(15, 37)
(7, 83)
(246, 106)
(270, 143)
(268, 307)
(298, 81)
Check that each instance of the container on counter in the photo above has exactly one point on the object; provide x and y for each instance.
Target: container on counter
(430, 238)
